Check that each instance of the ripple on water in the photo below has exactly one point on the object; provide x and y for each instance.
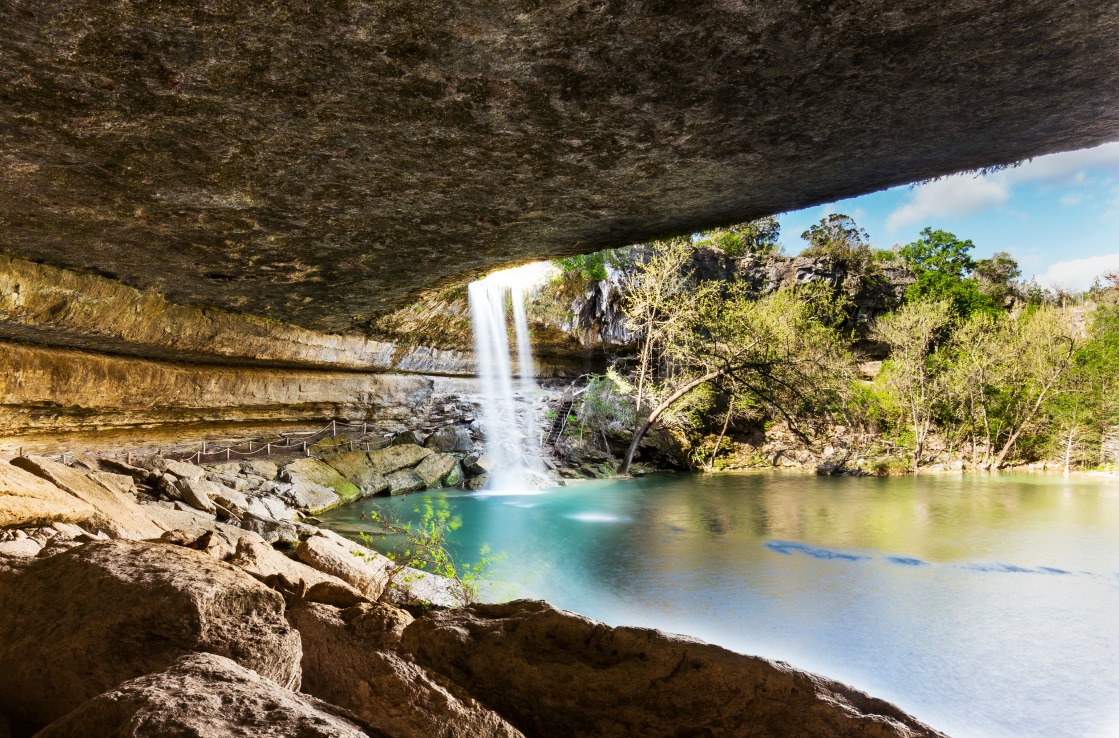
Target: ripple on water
(598, 517)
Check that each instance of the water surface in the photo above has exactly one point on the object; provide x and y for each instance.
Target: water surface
(987, 606)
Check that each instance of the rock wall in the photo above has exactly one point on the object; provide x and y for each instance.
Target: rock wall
(60, 391)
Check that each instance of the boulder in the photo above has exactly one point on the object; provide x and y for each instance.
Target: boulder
(20, 548)
(477, 464)
(122, 484)
(456, 478)
(312, 497)
(408, 438)
(410, 585)
(230, 499)
(344, 663)
(360, 567)
(168, 486)
(183, 469)
(27, 500)
(478, 482)
(319, 472)
(385, 461)
(138, 474)
(356, 467)
(260, 468)
(86, 620)
(434, 469)
(554, 673)
(270, 529)
(200, 494)
(403, 482)
(451, 438)
(202, 695)
(263, 561)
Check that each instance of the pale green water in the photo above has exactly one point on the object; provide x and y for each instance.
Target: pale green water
(986, 606)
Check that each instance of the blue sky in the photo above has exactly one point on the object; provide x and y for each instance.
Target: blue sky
(1058, 215)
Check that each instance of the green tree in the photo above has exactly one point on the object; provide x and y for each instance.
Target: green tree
(939, 251)
(915, 373)
(755, 237)
(836, 235)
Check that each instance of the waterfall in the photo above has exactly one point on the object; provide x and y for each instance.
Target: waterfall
(508, 414)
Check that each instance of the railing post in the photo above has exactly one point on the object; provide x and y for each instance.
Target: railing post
(363, 431)
(334, 429)
(268, 449)
(305, 449)
(228, 452)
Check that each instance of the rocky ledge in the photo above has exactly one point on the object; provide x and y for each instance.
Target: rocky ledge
(124, 615)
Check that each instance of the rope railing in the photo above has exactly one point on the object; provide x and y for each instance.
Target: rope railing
(301, 440)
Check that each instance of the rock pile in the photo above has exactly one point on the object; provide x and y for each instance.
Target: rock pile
(138, 615)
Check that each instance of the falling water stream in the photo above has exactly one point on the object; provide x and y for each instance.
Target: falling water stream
(508, 416)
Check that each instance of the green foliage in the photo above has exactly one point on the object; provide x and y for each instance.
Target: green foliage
(422, 546)
(964, 295)
(836, 235)
(755, 237)
(592, 267)
(941, 252)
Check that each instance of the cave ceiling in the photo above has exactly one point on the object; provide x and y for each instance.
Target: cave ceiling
(322, 162)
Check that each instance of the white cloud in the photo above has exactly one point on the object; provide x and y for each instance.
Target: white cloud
(1077, 274)
(951, 196)
(967, 194)
(1072, 198)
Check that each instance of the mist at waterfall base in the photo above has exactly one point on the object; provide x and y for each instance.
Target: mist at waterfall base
(509, 418)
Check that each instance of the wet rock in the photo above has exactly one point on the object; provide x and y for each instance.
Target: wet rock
(450, 438)
(82, 622)
(343, 664)
(403, 482)
(27, 500)
(360, 567)
(456, 477)
(356, 467)
(394, 458)
(476, 464)
(312, 497)
(408, 438)
(478, 482)
(434, 469)
(554, 673)
(203, 695)
(321, 473)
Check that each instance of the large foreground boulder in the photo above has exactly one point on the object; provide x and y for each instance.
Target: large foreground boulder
(356, 467)
(204, 696)
(555, 674)
(322, 474)
(345, 663)
(84, 621)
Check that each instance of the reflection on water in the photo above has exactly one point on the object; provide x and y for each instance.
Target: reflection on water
(987, 606)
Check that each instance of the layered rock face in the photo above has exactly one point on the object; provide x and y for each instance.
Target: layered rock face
(320, 163)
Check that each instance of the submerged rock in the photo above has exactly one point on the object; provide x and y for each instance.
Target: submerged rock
(202, 695)
(84, 621)
(555, 674)
(344, 662)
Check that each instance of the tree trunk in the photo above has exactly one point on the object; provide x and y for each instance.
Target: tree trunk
(723, 432)
(1068, 448)
(643, 428)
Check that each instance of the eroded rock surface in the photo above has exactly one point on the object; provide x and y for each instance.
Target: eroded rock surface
(345, 662)
(553, 673)
(203, 695)
(84, 621)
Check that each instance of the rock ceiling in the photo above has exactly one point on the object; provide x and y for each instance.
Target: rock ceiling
(320, 162)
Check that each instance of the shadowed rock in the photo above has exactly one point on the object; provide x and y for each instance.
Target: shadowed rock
(556, 674)
(203, 695)
(28, 500)
(81, 622)
(344, 662)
